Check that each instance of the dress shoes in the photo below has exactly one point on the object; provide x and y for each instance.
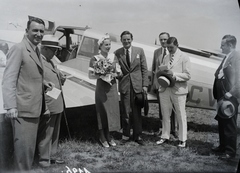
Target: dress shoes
(140, 142)
(182, 144)
(125, 138)
(218, 149)
(57, 161)
(44, 164)
(226, 157)
(161, 141)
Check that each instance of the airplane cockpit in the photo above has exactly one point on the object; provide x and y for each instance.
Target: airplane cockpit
(69, 40)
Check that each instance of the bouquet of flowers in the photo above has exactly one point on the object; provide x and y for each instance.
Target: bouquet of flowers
(105, 69)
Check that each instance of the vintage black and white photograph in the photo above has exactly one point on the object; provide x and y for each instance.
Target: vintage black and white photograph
(125, 86)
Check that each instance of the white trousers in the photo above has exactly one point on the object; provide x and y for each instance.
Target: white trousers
(167, 100)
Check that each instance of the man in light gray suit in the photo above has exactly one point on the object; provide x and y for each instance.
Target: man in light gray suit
(158, 57)
(134, 80)
(178, 66)
(23, 93)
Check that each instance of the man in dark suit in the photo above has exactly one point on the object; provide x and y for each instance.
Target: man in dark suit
(23, 93)
(227, 84)
(49, 126)
(134, 80)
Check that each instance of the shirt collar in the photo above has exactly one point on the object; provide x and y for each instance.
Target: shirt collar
(177, 51)
(130, 49)
(31, 44)
(167, 52)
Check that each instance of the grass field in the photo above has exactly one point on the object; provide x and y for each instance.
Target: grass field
(84, 150)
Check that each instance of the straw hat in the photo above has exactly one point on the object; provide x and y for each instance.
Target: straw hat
(50, 41)
(165, 80)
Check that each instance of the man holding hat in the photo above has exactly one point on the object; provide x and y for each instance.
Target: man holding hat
(226, 91)
(158, 57)
(173, 77)
(49, 127)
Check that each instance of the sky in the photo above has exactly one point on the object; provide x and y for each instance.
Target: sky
(199, 24)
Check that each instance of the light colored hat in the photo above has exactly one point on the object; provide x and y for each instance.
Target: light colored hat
(50, 41)
(227, 108)
(165, 80)
(106, 36)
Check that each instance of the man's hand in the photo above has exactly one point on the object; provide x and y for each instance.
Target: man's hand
(12, 113)
(169, 72)
(62, 77)
(145, 89)
(48, 86)
(228, 95)
(47, 113)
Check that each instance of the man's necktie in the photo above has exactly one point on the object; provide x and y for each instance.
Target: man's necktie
(164, 54)
(37, 52)
(127, 57)
(171, 59)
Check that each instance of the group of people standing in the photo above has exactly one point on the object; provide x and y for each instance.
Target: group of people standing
(33, 115)
(170, 73)
(130, 68)
(133, 79)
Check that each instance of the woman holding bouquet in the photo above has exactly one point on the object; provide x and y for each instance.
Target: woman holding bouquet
(105, 69)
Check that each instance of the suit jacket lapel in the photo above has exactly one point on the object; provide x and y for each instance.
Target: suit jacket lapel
(160, 56)
(33, 54)
(133, 55)
(176, 58)
(123, 58)
(49, 65)
(228, 60)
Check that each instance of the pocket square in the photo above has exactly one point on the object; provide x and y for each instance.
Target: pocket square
(138, 56)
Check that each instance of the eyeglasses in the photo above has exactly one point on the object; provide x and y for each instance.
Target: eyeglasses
(54, 50)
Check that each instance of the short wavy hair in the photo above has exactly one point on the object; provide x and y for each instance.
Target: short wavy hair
(34, 19)
(125, 33)
(172, 40)
(230, 39)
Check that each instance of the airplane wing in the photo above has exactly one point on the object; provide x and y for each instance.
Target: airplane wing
(11, 37)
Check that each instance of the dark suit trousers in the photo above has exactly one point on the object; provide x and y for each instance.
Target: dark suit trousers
(6, 144)
(131, 116)
(48, 135)
(228, 134)
(24, 137)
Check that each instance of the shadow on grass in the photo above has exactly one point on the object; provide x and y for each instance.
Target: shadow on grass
(82, 123)
(196, 127)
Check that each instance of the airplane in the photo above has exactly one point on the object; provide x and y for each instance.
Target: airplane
(79, 44)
